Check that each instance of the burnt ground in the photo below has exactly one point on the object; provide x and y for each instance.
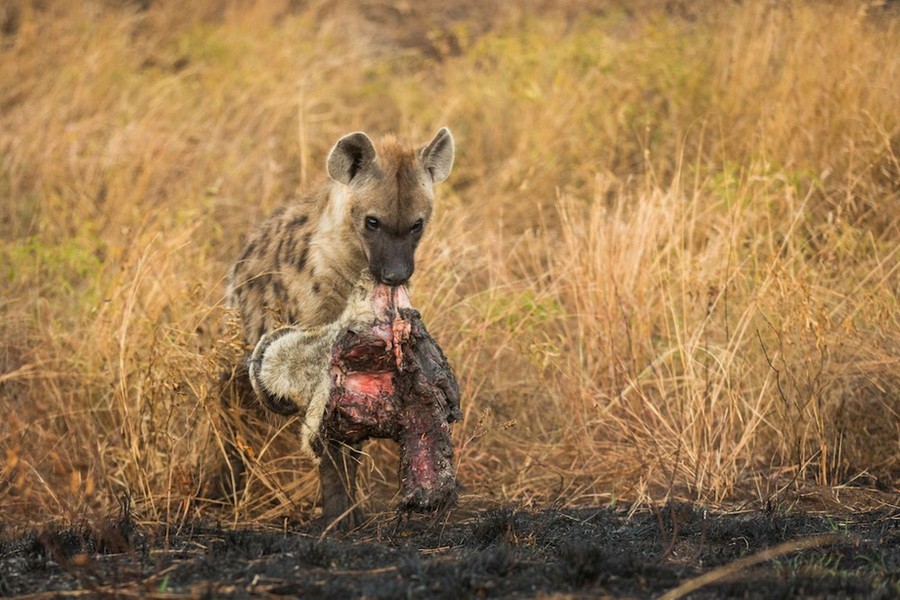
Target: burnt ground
(504, 552)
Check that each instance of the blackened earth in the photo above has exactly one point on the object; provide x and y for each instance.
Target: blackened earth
(504, 552)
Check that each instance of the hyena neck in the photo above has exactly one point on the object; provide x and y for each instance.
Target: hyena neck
(336, 249)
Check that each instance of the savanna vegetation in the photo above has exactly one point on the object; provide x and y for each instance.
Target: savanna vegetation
(666, 265)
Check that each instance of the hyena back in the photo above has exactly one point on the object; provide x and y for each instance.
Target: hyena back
(301, 264)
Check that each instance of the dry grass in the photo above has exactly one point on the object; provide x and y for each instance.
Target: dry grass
(667, 263)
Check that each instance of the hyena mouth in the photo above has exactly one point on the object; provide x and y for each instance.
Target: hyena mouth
(391, 380)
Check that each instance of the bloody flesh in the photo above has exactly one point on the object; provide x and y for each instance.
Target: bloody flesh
(391, 380)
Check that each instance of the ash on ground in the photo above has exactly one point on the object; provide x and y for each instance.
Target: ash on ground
(503, 552)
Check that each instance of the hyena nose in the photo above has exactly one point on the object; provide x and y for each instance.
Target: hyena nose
(395, 275)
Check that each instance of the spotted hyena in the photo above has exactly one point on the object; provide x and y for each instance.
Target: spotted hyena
(301, 265)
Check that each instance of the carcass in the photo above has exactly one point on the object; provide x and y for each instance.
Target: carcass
(374, 373)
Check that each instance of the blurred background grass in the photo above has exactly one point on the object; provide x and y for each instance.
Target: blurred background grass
(666, 265)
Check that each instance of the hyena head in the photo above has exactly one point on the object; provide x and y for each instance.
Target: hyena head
(387, 196)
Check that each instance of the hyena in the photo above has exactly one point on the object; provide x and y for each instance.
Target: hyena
(301, 264)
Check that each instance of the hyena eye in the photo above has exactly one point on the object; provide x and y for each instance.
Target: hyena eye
(416, 227)
(372, 223)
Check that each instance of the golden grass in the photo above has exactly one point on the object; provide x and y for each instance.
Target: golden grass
(667, 263)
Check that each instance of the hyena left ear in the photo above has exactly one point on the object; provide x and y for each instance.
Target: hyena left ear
(437, 156)
(350, 155)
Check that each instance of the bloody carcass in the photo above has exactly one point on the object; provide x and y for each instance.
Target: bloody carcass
(374, 373)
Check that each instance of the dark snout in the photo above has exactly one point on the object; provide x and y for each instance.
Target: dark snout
(392, 263)
(394, 275)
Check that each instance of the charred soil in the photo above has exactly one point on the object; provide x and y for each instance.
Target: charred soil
(503, 552)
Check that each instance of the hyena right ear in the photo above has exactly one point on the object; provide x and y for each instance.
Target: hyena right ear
(437, 156)
(350, 155)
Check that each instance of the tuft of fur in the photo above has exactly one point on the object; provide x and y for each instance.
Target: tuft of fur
(289, 368)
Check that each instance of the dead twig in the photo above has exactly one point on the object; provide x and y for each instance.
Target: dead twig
(731, 568)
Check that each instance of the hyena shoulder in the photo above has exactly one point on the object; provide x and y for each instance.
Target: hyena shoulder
(274, 264)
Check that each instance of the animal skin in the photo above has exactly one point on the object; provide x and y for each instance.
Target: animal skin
(374, 373)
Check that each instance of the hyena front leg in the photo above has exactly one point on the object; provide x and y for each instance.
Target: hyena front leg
(337, 474)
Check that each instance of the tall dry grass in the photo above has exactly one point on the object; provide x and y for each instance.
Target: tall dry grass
(667, 263)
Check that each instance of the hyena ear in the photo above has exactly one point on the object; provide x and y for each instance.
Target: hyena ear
(437, 156)
(350, 155)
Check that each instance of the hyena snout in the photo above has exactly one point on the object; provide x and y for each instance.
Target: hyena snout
(395, 274)
(392, 263)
